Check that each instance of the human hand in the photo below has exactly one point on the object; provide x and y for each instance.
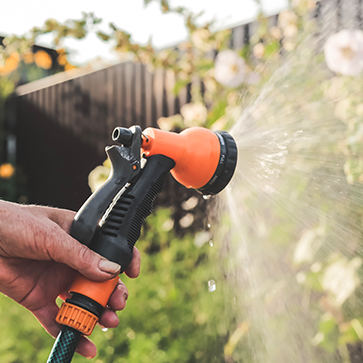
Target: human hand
(39, 261)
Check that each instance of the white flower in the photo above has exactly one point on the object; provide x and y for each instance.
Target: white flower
(194, 114)
(168, 225)
(170, 123)
(201, 238)
(308, 244)
(259, 50)
(187, 220)
(276, 33)
(190, 204)
(200, 38)
(287, 18)
(341, 278)
(164, 123)
(305, 249)
(97, 177)
(344, 52)
(229, 68)
(291, 31)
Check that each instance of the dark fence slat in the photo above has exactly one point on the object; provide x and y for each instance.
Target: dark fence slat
(119, 96)
(68, 97)
(46, 100)
(183, 97)
(169, 87)
(349, 14)
(52, 102)
(238, 37)
(159, 92)
(128, 86)
(37, 99)
(58, 102)
(109, 93)
(329, 21)
(148, 98)
(143, 97)
(138, 95)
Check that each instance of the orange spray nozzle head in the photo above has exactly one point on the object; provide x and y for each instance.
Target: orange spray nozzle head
(204, 160)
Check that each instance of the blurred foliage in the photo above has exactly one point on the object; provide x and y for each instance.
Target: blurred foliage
(314, 231)
(171, 316)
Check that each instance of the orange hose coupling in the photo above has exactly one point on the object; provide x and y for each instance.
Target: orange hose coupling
(88, 299)
(76, 318)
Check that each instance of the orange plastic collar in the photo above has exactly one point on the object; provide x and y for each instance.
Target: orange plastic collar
(97, 291)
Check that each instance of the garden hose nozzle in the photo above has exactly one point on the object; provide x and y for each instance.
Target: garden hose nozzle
(204, 160)
(110, 221)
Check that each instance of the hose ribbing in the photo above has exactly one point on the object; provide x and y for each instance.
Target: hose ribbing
(64, 346)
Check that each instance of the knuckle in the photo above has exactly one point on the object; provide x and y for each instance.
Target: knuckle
(86, 257)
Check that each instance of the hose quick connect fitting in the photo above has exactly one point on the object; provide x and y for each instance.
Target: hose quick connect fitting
(88, 300)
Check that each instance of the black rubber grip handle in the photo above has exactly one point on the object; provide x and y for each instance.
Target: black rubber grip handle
(116, 238)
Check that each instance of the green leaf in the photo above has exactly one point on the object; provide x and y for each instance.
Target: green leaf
(272, 48)
(217, 111)
(348, 334)
(103, 36)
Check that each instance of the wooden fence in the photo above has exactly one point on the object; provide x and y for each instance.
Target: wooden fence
(63, 122)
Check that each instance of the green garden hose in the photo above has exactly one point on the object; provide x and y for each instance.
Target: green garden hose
(64, 346)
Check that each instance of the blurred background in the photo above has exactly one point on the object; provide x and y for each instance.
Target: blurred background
(71, 72)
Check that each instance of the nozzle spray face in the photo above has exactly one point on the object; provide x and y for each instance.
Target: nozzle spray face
(226, 165)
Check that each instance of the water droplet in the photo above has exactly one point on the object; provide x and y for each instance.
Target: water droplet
(211, 243)
(206, 197)
(211, 285)
(104, 329)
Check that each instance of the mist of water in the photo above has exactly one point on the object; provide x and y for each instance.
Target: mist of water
(290, 215)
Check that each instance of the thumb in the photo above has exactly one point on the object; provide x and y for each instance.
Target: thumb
(65, 249)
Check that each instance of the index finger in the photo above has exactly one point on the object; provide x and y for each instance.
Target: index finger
(133, 270)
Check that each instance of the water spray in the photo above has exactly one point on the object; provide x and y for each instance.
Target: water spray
(110, 221)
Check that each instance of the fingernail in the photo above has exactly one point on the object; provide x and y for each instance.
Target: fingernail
(109, 267)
